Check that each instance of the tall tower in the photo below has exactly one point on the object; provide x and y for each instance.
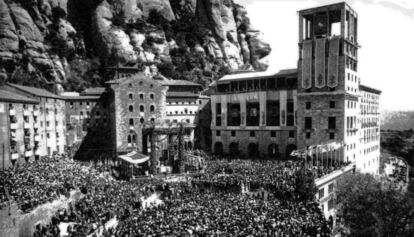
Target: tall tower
(328, 84)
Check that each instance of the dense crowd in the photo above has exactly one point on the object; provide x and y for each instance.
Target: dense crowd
(208, 203)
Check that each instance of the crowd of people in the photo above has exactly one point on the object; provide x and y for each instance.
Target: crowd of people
(208, 203)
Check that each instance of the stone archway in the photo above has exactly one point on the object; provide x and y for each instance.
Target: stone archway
(289, 149)
(253, 150)
(218, 148)
(234, 148)
(273, 151)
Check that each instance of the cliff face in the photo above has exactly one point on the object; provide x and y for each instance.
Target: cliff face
(68, 42)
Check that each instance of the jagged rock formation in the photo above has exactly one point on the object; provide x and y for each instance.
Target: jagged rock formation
(397, 120)
(68, 42)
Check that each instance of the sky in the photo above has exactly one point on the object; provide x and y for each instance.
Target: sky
(385, 33)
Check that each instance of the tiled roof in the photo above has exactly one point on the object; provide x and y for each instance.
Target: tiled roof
(255, 74)
(93, 91)
(179, 83)
(369, 89)
(284, 72)
(35, 91)
(8, 96)
(86, 97)
(181, 94)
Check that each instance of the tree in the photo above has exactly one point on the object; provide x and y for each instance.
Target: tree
(305, 188)
(371, 208)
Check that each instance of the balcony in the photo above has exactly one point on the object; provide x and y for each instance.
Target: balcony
(13, 125)
(37, 138)
(28, 153)
(12, 112)
(26, 125)
(14, 155)
(36, 113)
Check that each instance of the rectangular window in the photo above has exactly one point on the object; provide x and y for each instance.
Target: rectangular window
(308, 105)
(233, 133)
(332, 104)
(252, 133)
(308, 135)
(290, 108)
(233, 117)
(218, 133)
(331, 135)
(218, 114)
(308, 122)
(273, 113)
(330, 188)
(321, 193)
(332, 123)
(331, 204)
(272, 133)
(291, 134)
(253, 114)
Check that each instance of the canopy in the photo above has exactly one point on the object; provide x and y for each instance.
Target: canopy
(134, 157)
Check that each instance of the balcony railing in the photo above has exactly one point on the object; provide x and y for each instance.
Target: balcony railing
(12, 112)
(26, 112)
(28, 153)
(13, 126)
(37, 138)
(14, 155)
(26, 124)
(36, 113)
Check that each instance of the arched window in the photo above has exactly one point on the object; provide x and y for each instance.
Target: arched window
(131, 122)
(130, 96)
(134, 138)
(152, 120)
(131, 108)
(151, 96)
(141, 120)
(152, 108)
(141, 108)
(141, 96)
(218, 148)
(129, 139)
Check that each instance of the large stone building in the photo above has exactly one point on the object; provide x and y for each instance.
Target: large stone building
(141, 114)
(50, 120)
(18, 138)
(319, 104)
(185, 105)
(32, 124)
(79, 110)
(253, 114)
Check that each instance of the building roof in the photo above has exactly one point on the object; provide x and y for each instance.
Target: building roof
(180, 83)
(35, 91)
(93, 91)
(8, 96)
(256, 74)
(369, 89)
(181, 94)
(77, 98)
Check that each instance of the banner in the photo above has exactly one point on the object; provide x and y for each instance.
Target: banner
(333, 62)
(307, 64)
(320, 80)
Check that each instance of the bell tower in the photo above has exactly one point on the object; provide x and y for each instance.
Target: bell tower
(328, 84)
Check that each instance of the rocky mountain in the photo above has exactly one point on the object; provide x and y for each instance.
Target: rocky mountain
(69, 42)
(397, 120)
